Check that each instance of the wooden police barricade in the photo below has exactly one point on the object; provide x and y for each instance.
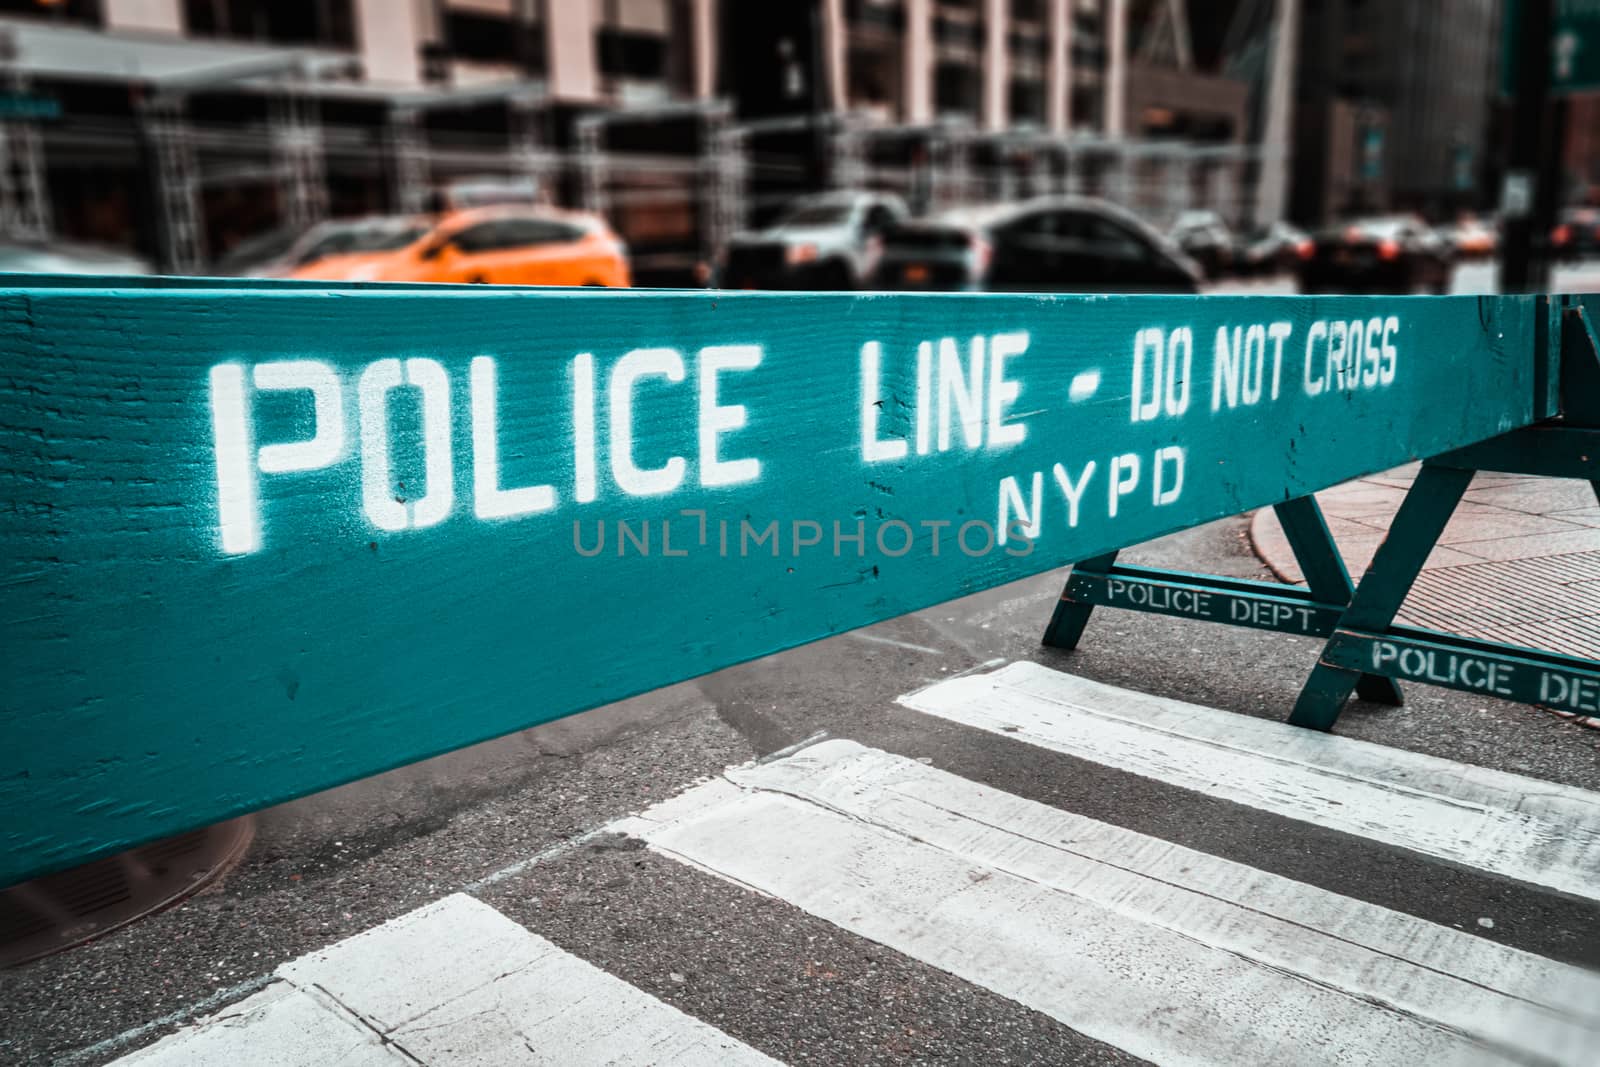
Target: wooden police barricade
(1365, 653)
(265, 539)
(1365, 641)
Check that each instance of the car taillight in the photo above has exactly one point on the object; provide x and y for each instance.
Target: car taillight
(1388, 250)
(1305, 249)
(1562, 234)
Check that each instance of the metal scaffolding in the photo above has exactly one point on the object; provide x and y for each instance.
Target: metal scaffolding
(407, 161)
(297, 151)
(24, 201)
(171, 139)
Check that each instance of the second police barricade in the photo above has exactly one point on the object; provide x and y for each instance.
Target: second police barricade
(1366, 653)
(263, 539)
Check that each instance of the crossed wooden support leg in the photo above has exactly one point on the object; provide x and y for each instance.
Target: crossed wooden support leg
(1366, 641)
(1262, 605)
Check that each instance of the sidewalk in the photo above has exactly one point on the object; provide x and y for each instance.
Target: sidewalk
(1519, 562)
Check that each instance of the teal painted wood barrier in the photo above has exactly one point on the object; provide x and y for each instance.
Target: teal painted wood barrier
(261, 540)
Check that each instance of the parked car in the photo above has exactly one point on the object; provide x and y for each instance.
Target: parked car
(1577, 233)
(1273, 249)
(260, 255)
(1472, 238)
(828, 241)
(67, 257)
(525, 245)
(1388, 254)
(342, 240)
(1207, 240)
(1071, 244)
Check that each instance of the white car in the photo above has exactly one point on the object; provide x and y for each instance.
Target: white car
(828, 241)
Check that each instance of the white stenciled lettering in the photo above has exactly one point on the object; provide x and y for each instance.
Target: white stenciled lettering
(961, 389)
(1166, 475)
(387, 509)
(1347, 356)
(1162, 366)
(1004, 391)
(1238, 365)
(1011, 502)
(717, 419)
(874, 449)
(1072, 488)
(489, 500)
(238, 492)
(1124, 478)
(630, 477)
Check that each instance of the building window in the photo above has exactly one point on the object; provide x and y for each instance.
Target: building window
(881, 14)
(959, 33)
(957, 89)
(1029, 45)
(874, 77)
(645, 41)
(1027, 102)
(484, 38)
(329, 23)
(626, 54)
(1087, 107)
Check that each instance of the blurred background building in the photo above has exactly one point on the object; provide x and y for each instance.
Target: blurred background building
(184, 128)
(1394, 104)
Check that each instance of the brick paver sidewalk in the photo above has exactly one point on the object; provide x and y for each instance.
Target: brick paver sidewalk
(1519, 562)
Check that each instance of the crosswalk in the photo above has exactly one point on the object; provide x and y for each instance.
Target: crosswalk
(1165, 952)
(453, 982)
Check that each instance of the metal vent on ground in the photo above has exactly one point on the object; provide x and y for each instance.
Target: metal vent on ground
(61, 910)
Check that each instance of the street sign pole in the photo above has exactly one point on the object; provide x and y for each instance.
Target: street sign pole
(1529, 23)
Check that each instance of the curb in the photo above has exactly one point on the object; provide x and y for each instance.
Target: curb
(1272, 548)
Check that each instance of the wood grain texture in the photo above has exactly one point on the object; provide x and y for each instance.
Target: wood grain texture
(155, 682)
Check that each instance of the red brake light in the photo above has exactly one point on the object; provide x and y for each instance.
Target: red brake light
(1562, 234)
(1388, 249)
(1305, 249)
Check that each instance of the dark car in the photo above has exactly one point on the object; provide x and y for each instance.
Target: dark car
(828, 241)
(1069, 244)
(1577, 233)
(1274, 249)
(1206, 238)
(1391, 254)
(259, 255)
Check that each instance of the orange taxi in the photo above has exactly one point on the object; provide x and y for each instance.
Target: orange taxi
(488, 245)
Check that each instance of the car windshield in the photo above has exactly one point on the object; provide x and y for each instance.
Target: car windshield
(346, 240)
(819, 213)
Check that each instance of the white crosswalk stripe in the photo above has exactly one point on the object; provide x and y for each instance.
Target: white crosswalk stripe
(1534, 831)
(1165, 952)
(1171, 954)
(453, 983)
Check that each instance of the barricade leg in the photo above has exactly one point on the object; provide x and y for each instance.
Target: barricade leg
(1071, 616)
(1416, 528)
(1326, 577)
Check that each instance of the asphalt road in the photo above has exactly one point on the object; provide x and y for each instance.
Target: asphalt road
(771, 975)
